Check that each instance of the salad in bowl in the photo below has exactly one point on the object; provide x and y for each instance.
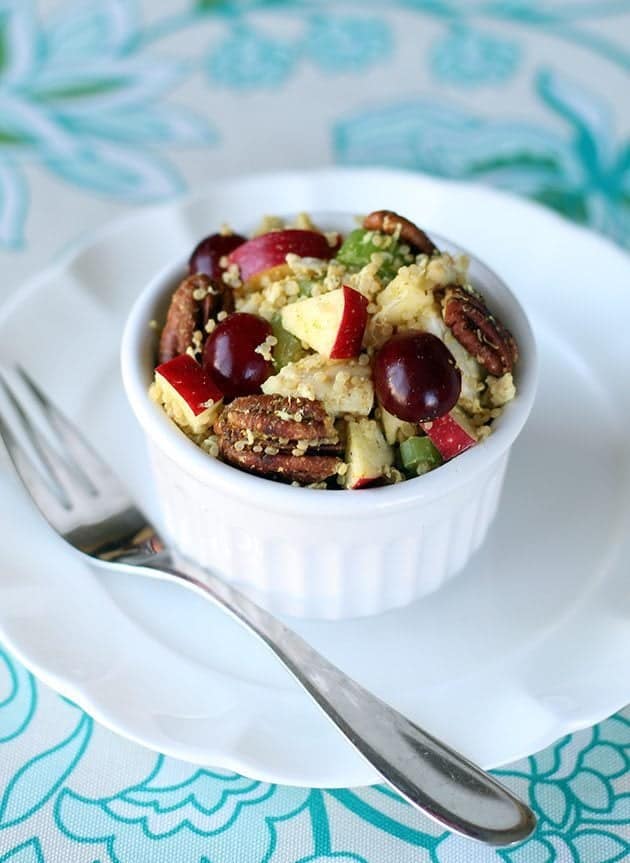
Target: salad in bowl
(331, 361)
(319, 354)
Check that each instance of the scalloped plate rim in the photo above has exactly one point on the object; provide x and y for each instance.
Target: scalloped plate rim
(60, 679)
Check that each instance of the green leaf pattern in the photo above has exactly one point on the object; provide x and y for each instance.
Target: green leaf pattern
(86, 94)
(578, 788)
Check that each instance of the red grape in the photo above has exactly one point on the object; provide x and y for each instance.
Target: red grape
(207, 254)
(416, 377)
(231, 358)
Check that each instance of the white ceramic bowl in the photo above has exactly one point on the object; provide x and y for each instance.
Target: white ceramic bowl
(317, 553)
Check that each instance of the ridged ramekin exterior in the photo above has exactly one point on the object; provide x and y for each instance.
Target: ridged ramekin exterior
(315, 553)
(328, 567)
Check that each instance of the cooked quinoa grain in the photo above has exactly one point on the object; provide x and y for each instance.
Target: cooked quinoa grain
(316, 365)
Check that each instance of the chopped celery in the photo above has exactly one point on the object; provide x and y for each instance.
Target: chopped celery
(418, 455)
(305, 286)
(288, 349)
(359, 246)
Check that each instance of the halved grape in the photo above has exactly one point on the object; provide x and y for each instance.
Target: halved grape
(416, 377)
(231, 357)
(206, 256)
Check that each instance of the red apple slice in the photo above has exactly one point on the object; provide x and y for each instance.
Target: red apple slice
(332, 324)
(269, 251)
(187, 393)
(450, 434)
(367, 454)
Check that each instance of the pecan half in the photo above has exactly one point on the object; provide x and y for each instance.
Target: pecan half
(196, 299)
(477, 330)
(389, 222)
(288, 438)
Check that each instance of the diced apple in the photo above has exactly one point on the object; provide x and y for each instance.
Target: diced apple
(367, 454)
(343, 386)
(268, 252)
(396, 430)
(406, 297)
(332, 324)
(451, 434)
(187, 393)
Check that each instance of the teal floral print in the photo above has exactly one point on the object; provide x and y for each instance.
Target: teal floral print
(583, 173)
(468, 58)
(184, 810)
(600, 193)
(95, 93)
(26, 852)
(338, 44)
(333, 858)
(573, 786)
(248, 59)
(18, 704)
(42, 776)
(76, 100)
(13, 203)
(574, 780)
(84, 95)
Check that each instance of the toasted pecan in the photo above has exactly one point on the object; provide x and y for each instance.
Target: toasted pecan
(304, 469)
(389, 222)
(294, 418)
(480, 332)
(293, 439)
(195, 300)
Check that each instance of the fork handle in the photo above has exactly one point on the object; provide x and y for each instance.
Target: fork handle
(428, 774)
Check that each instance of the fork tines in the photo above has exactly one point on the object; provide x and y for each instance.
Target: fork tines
(53, 460)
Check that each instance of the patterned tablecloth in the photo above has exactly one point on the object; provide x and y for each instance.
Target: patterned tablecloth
(110, 104)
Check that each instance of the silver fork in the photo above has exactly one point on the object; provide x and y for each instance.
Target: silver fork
(85, 503)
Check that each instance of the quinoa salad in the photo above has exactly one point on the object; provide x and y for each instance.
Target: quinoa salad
(329, 361)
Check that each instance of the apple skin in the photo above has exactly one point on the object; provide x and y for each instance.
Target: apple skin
(449, 436)
(351, 326)
(368, 454)
(191, 382)
(332, 323)
(365, 482)
(270, 250)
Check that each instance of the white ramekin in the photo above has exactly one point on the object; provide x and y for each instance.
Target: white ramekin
(325, 554)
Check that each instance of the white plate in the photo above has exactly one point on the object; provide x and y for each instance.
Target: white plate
(531, 642)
